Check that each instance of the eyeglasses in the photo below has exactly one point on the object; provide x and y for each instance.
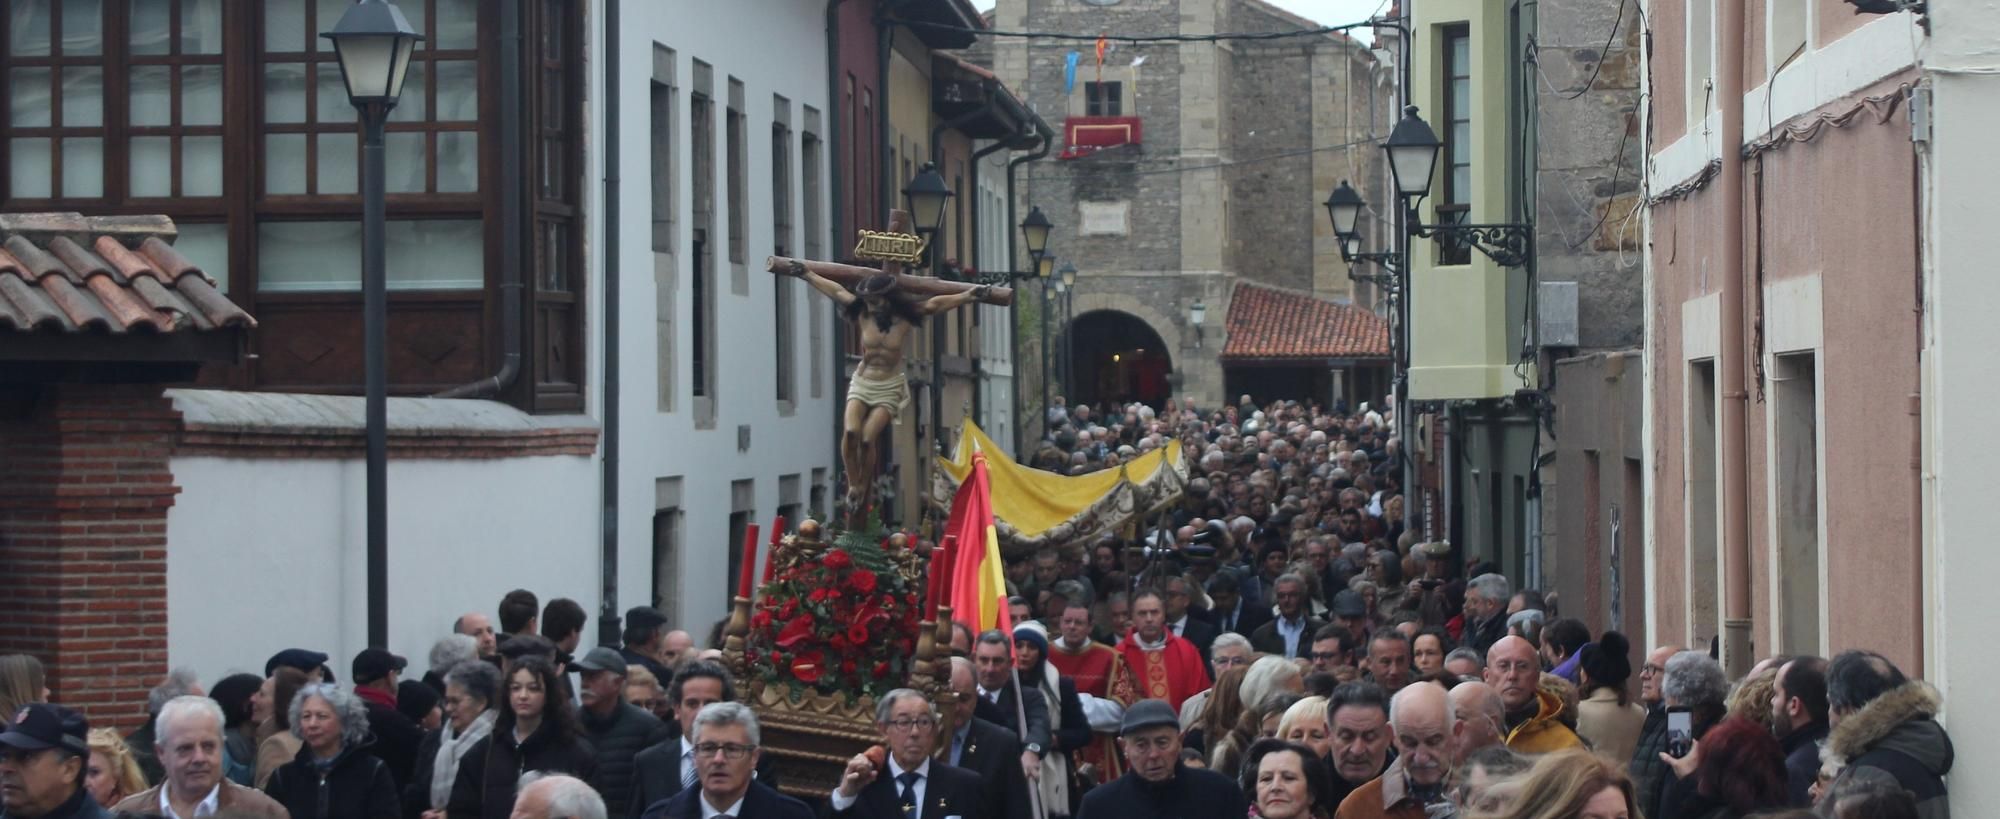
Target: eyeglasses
(729, 750)
(1650, 669)
(907, 725)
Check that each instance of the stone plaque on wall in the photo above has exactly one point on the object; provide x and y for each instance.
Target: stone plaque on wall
(1104, 218)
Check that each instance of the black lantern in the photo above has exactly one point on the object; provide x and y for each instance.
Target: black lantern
(1035, 229)
(1045, 267)
(926, 197)
(1413, 152)
(374, 42)
(1343, 206)
(1068, 274)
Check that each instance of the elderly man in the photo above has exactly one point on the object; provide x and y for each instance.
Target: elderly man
(1422, 719)
(1163, 666)
(190, 747)
(1695, 682)
(43, 756)
(181, 682)
(986, 749)
(726, 747)
(1482, 720)
(1514, 669)
(478, 627)
(1646, 767)
(909, 784)
(1231, 651)
(1158, 783)
(663, 771)
(1463, 662)
(1486, 599)
(1357, 717)
(617, 730)
(1291, 634)
(542, 796)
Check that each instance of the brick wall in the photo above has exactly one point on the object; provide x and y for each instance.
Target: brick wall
(83, 539)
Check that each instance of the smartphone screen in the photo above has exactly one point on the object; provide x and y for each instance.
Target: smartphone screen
(1680, 732)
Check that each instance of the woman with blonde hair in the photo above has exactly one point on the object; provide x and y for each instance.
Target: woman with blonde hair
(1305, 723)
(112, 774)
(21, 682)
(1572, 784)
(1219, 714)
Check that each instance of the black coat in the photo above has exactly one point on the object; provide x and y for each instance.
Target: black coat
(78, 806)
(618, 739)
(417, 789)
(1201, 633)
(356, 786)
(1267, 640)
(1480, 636)
(656, 774)
(1005, 715)
(396, 739)
(1193, 793)
(1802, 762)
(994, 753)
(759, 802)
(489, 773)
(1248, 618)
(948, 791)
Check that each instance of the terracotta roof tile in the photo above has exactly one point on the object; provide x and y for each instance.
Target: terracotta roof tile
(1269, 324)
(90, 274)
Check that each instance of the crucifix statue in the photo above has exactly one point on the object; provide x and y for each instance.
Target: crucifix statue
(886, 304)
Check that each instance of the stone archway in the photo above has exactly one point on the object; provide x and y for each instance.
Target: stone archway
(1115, 358)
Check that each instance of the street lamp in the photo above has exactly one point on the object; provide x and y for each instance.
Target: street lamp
(926, 197)
(1343, 206)
(1068, 273)
(1068, 290)
(1197, 313)
(1413, 152)
(373, 42)
(1035, 229)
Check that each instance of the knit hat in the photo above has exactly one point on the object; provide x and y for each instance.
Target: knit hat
(1034, 633)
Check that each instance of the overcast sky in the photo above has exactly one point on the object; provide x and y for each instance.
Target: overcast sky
(1324, 12)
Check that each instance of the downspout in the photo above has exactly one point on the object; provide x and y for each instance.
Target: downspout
(1734, 483)
(938, 339)
(1047, 138)
(834, 155)
(510, 214)
(607, 616)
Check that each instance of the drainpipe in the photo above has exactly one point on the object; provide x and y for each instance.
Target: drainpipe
(834, 154)
(1734, 483)
(1047, 137)
(937, 266)
(607, 616)
(510, 214)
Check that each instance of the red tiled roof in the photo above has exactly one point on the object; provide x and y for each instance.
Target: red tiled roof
(106, 275)
(1268, 324)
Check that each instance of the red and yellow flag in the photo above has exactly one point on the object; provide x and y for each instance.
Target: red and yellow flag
(979, 582)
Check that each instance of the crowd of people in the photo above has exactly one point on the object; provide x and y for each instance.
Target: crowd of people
(1275, 646)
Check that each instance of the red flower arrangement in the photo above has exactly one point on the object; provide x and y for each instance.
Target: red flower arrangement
(845, 623)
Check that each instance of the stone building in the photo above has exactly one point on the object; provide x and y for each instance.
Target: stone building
(1189, 168)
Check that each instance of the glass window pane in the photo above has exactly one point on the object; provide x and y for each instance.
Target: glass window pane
(1461, 184)
(28, 22)
(83, 167)
(458, 90)
(329, 16)
(201, 26)
(201, 95)
(83, 27)
(414, 105)
(414, 12)
(1461, 55)
(285, 25)
(83, 97)
(306, 256)
(30, 95)
(28, 168)
(458, 162)
(152, 169)
(150, 25)
(284, 163)
(201, 166)
(404, 163)
(207, 245)
(285, 92)
(458, 24)
(337, 159)
(436, 254)
(332, 105)
(152, 95)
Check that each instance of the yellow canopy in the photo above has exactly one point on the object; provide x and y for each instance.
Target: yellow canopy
(1034, 508)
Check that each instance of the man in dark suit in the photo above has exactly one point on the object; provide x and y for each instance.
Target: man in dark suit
(909, 785)
(663, 771)
(1291, 633)
(1182, 620)
(1233, 612)
(986, 749)
(993, 658)
(726, 747)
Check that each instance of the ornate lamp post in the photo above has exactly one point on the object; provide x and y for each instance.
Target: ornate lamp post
(926, 198)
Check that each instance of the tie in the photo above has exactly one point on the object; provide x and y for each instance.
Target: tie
(908, 779)
(688, 774)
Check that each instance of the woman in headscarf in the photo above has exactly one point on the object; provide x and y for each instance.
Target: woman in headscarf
(470, 697)
(1069, 729)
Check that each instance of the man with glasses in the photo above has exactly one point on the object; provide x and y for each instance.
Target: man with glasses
(1332, 649)
(1646, 766)
(909, 784)
(43, 755)
(726, 752)
(1291, 634)
(1514, 668)
(664, 770)
(1158, 783)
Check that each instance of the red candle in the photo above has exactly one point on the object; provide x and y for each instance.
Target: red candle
(771, 557)
(749, 561)
(950, 547)
(933, 584)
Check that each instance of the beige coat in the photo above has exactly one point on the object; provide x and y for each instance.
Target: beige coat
(1611, 729)
(272, 754)
(234, 800)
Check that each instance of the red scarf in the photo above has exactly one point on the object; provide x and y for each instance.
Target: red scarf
(376, 695)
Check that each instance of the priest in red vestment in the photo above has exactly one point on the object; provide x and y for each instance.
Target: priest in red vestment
(1163, 666)
(1093, 665)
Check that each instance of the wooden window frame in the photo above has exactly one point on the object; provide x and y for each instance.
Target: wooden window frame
(1451, 205)
(1105, 98)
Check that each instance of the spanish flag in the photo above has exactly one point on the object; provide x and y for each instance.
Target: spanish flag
(979, 582)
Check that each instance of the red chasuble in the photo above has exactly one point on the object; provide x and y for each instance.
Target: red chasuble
(1092, 668)
(1173, 673)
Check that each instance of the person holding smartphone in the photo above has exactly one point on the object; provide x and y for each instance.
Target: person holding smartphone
(1696, 691)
